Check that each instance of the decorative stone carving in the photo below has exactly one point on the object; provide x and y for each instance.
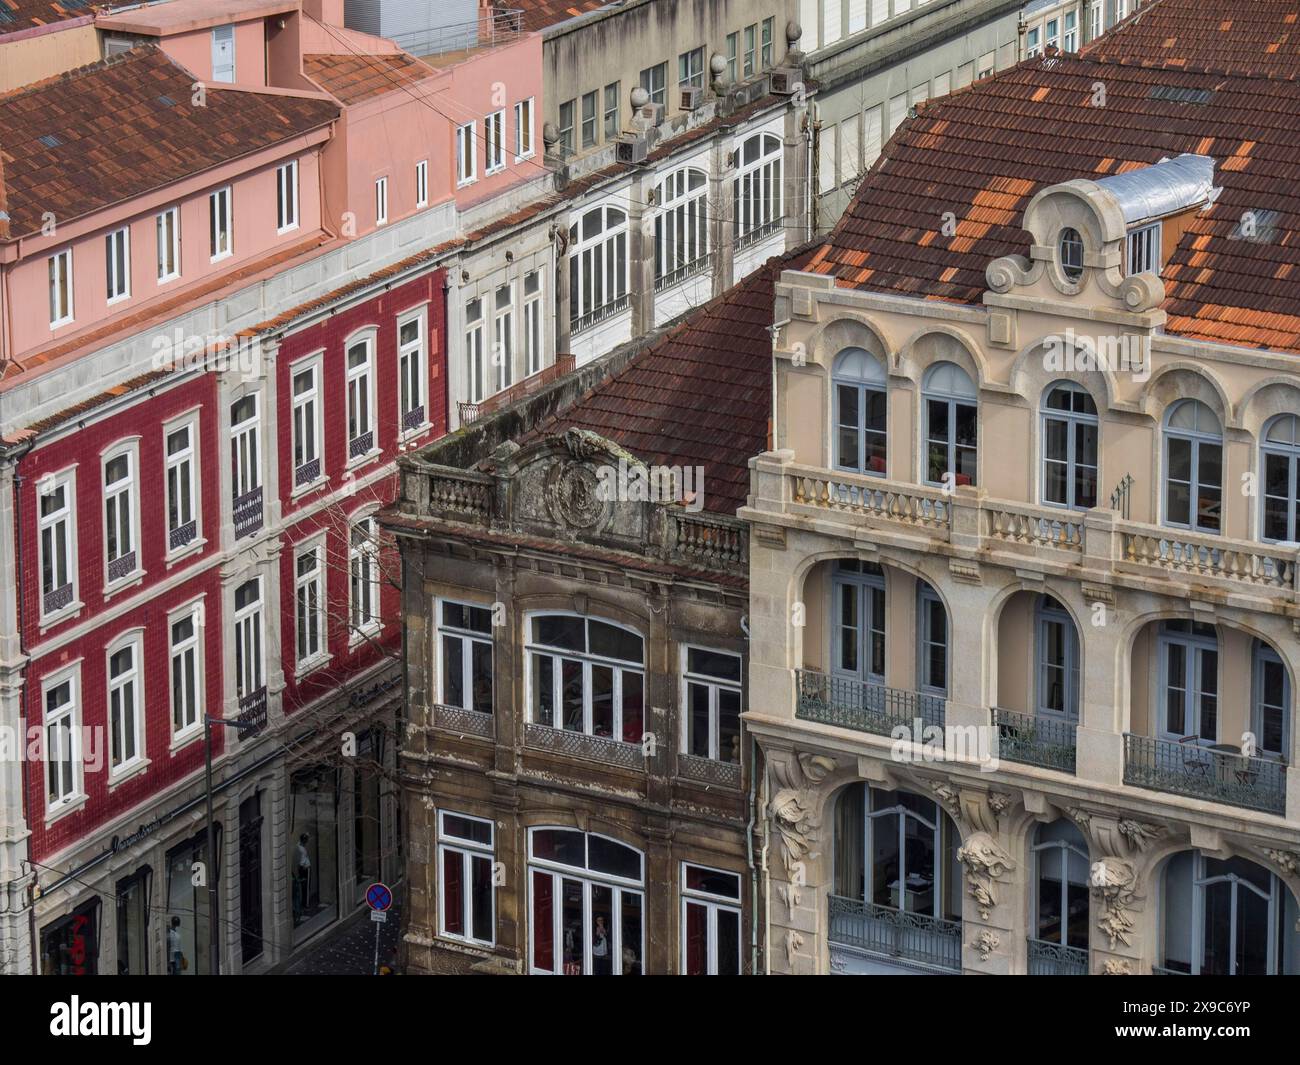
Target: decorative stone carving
(947, 795)
(1286, 861)
(1000, 802)
(1079, 816)
(985, 863)
(1140, 836)
(986, 943)
(1114, 884)
(793, 941)
(794, 815)
(1117, 967)
(572, 498)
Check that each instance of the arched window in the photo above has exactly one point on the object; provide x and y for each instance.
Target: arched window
(932, 641)
(1271, 710)
(1188, 682)
(587, 900)
(597, 267)
(1059, 944)
(1057, 658)
(1193, 467)
(950, 425)
(586, 676)
(756, 189)
(1071, 249)
(896, 853)
(858, 378)
(1227, 917)
(1280, 463)
(681, 226)
(1069, 447)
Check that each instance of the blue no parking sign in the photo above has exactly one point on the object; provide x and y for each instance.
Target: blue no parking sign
(378, 897)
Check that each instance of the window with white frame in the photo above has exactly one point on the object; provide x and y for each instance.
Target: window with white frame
(494, 142)
(710, 921)
(167, 226)
(613, 105)
(381, 201)
(465, 646)
(286, 197)
(1032, 38)
(524, 128)
(466, 168)
(597, 267)
(751, 50)
(1071, 41)
(62, 731)
(305, 386)
(590, 107)
(756, 189)
(1193, 467)
(1053, 33)
(60, 269)
(503, 332)
(124, 723)
(586, 676)
(223, 53)
(187, 671)
(181, 457)
(951, 425)
(361, 400)
(465, 879)
(587, 903)
(54, 501)
(832, 26)
(690, 69)
(733, 57)
(655, 82)
(534, 350)
(220, 224)
(309, 603)
(681, 226)
(566, 127)
(410, 371)
(249, 650)
(422, 183)
(1069, 444)
(245, 448)
(1094, 15)
(475, 343)
(711, 697)
(860, 412)
(858, 621)
(766, 55)
(1280, 475)
(120, 514)
(363, 574)
(1143, 250)
(117, 264)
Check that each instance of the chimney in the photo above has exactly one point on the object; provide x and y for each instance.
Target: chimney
(330, 12)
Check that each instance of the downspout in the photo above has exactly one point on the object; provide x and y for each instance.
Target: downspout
(767, 893)
(749, 856)
(23, 701)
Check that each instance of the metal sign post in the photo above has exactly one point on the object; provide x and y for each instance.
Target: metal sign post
(378, 898)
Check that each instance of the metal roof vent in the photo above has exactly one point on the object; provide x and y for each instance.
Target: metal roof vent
(49, 140)
(1169, 187)
(1178, 95)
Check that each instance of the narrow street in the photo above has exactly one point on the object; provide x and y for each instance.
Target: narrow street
(348, 949)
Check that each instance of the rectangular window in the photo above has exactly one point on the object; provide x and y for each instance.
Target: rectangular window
(186, 674)
(879, 12)
(363, 571)
(586, 676)
(1053, 33)
(61, 288)
(494, 142)
(54, 502)
(831, 29)
(220, 225)
(850, 150)
(465, 879)
(474, 345)
(248, 639)
(306, 425)
(120, 518)
(182, 485)
(223, 53)
(422, 183)
(361, 421)
(690, 68)
(566, 128)
(711, 704)
(503, 350)
(612, 124)
(1071, 43)
(246, 466)
(711, 941)
(465, 647)
(655, 81)
(62, 741)
(381, 201)
(410, 372)
(733, 57)
(524, 128)
(751, 46)
(590, 102)
(309, 604)
(768, 26)
(117, 264)
(1144, 250)
(533, 348)
(871, 137)
(466, 164)
(124, 707)
(1031, 42)
(168, 226)
(857, 16)
(897, 111)
(286, 197)
(810, 19)
(1095, 20)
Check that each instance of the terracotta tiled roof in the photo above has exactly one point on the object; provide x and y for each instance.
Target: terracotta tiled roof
(981, 154)
(18, 15)
(538, 14)
(1251, 36)
(353, 78)
(700, 395)
(117, 129)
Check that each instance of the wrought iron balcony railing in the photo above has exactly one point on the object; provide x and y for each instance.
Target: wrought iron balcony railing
(582, 745)
(865, 707)
(1035, 740)
(895, 933)
(1205, 773)
(247, 513)
(466, 722)
(1056, 959)
(708, 771)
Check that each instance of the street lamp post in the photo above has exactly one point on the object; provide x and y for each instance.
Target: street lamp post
(214, 952)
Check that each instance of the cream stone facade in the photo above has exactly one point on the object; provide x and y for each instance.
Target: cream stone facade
(1112, 676)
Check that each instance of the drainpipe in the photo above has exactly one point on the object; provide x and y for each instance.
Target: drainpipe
(767, 895)
(749, 856)
(23, 714)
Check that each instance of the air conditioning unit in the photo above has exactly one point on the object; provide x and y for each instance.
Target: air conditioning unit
(786, 81)
(692, 97)
(653, 114)
(630, 148)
